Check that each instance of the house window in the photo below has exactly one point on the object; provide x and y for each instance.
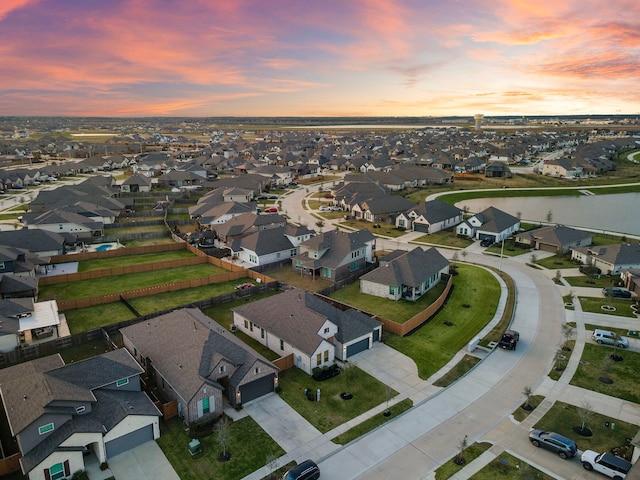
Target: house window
(326, 330)
(319, 359)
(223, 368)
(281, 344)
(292, 252)
(58, 471)
(122, 382)
(256, 371)
(353, 267)
(278, 255)
(205, 405)
(392, 290)
(80, 409)
(251, 326)
(246, 323)
(45, 428)
(262, 333)
(326, 355)
(2, 266)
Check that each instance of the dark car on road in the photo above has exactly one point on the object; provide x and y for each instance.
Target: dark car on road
(307, 470)
(509, 340)
(486, 242)
(563, 446)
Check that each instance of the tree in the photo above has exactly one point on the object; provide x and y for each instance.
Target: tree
(348, 374)
(585, 411)
(559, 357)
(271, 463)
(387, 393)
(454, 257)
(464, 254)
(526, 391)
(549, 217)
(567, 333)
(320, 224)
(558, 276)
(534, 258)
(222, 433)
(462, 446)
(607, 363)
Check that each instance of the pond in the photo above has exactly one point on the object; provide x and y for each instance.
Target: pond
(616, 213)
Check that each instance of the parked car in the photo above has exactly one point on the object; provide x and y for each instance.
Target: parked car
(325, 208)
(335, 208)
(509, 340)
(307, 470)
(609, 338)
(272, 210)
(605, 463)
(486, 242)
(616, 292)
(563, 446)
(328, 195)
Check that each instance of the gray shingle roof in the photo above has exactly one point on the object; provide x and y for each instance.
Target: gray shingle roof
(411, 268)
(495, 221)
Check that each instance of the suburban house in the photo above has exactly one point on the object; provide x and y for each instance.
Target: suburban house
(270, 246)
(554, 238)
(382, 209)
(335, 255)
(136, 183)
(42, 243)
(299, 323)
(631, 279)
(23, 322)
(610, 259)
(194, 361)
(430, 217)
(405, 275)
(61, 413)
(490, 223)
(71, 225)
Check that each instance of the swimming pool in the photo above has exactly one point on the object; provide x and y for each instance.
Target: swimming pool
(102, 248)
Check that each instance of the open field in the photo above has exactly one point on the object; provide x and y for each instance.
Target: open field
(121, 283)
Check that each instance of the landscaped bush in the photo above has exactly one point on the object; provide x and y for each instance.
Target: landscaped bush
(325, 373)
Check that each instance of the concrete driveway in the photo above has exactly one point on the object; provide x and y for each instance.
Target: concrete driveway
(145, 462)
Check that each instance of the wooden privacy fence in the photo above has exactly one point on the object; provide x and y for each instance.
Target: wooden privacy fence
(414, 322)
(118, 252)
(10, 464)
(284, 363)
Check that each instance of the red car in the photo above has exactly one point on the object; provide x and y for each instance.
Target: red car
(328, 195)
(272, 210)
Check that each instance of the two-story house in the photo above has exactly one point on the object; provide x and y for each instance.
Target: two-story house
(335, 255)
(60, 413)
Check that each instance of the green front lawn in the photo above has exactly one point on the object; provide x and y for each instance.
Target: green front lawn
(600, 281)
(332, 411)
(373, 422)
(461, 368)
(507, 466)
(445, 237)
(399, 311)
(562, 418)
(432, 345)
(121, 283)
(510, 249)
(594, 305)
(249, 446)
(557, 263)
(126, 260)
(449, 469)
(593, 365)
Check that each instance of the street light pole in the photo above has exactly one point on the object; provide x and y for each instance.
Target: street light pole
(501, 251)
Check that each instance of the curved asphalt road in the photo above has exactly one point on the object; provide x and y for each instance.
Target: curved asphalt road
(478, 405)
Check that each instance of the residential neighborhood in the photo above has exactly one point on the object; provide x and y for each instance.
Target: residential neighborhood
(218, 281)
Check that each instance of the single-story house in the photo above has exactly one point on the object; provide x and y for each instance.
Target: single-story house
(554, 238)
(430, 217)
(610, 259)
(490, 223)
(299, 323)
(407, 275)
(198, 364)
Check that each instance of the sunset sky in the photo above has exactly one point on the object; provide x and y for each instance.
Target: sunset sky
(319, 57)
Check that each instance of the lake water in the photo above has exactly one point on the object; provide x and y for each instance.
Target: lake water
(613, 213)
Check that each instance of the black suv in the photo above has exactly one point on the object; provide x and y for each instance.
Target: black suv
(563, 446)
(509, 340)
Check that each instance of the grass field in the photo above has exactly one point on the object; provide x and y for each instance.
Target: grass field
(332, 410)
(435, 343)
(114, 262)
(444, 237)
(121, 283)
(595, 364)
(248, 444)
(507, 466)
